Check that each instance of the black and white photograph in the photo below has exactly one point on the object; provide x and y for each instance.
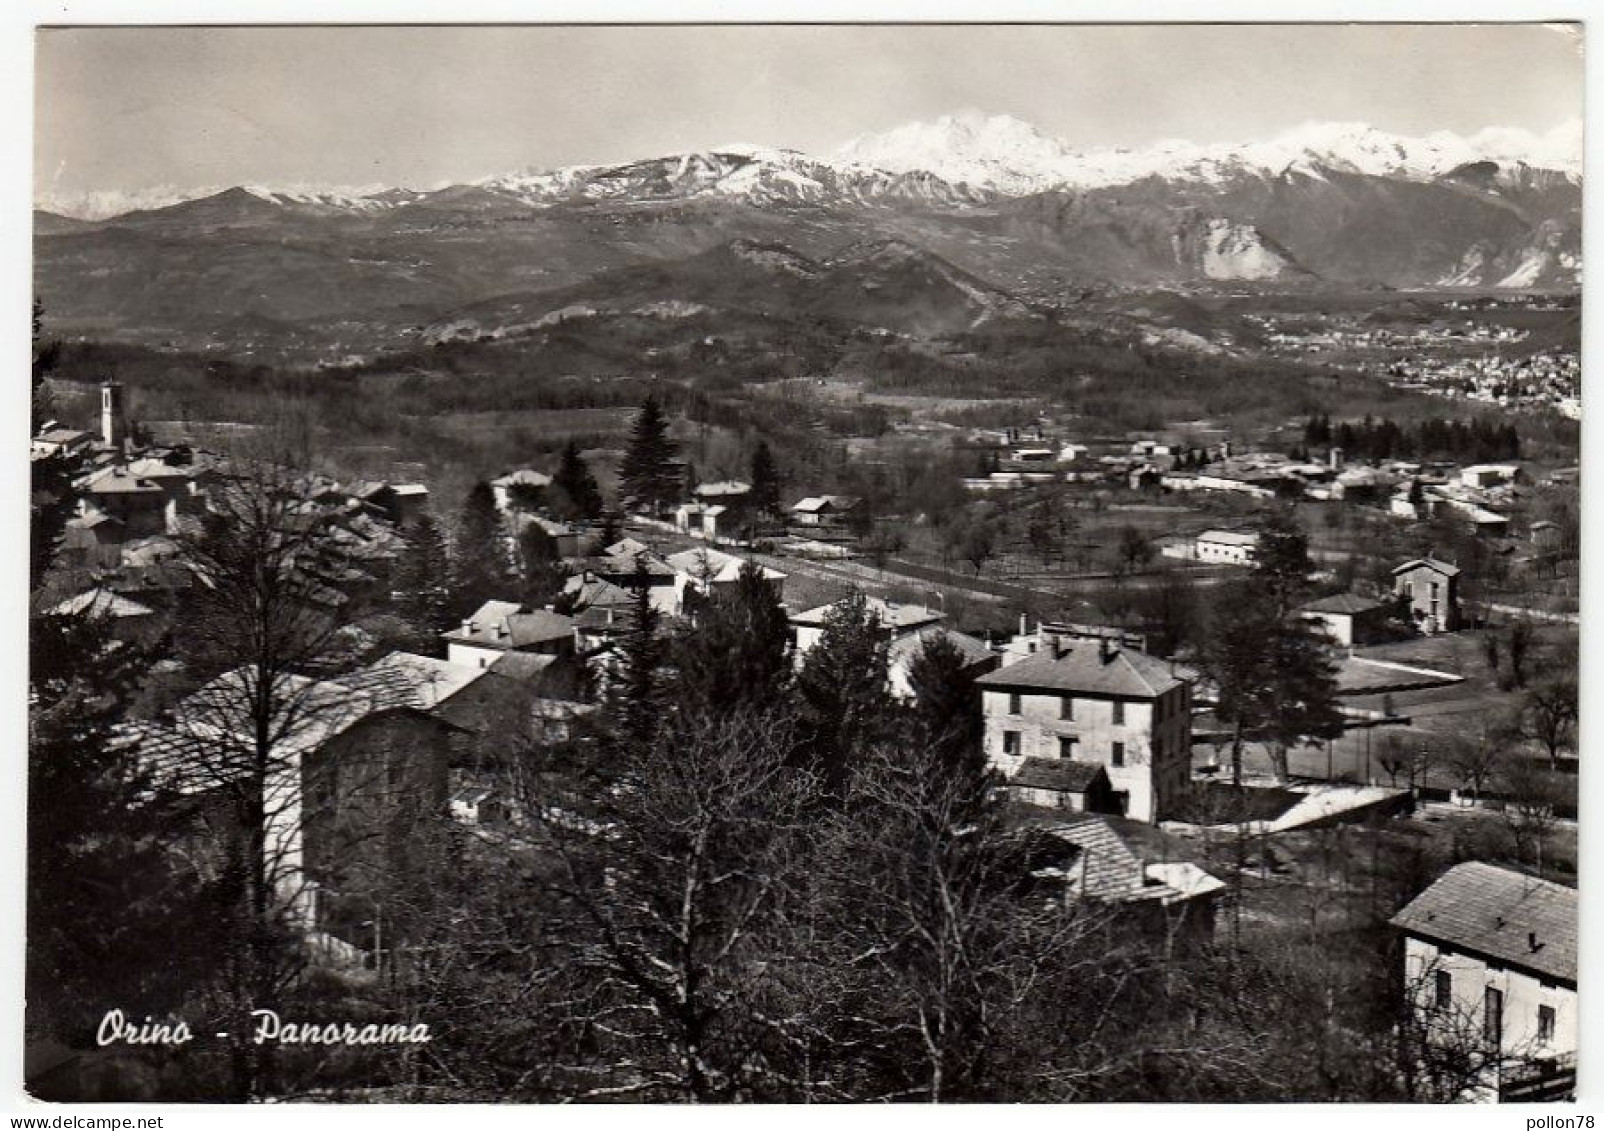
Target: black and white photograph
(783, 563)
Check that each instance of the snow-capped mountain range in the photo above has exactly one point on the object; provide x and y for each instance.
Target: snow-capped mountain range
(1011, 157)
(959, 211)
(954, 160)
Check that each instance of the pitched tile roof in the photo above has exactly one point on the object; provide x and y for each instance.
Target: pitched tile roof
(117, 481)
(723, 488)
(1443, 568)
(598, 593)
(1058, 774)
(1104, 867)
(522, 665)
(1087, 666)
(820, 502)
(1349, 603)
(904, 648)
(714, 565)
(102, 602)
(1504, 915)
(526, 477)
(504, 624)
(892, 615)
(405, 679)
(1229, 537)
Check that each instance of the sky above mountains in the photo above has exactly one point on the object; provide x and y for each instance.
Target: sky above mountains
(131, 110)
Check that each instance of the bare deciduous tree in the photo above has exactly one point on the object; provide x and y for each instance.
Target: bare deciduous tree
(262, 624)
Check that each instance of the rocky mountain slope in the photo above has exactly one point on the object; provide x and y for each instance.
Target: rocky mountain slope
(966, 215)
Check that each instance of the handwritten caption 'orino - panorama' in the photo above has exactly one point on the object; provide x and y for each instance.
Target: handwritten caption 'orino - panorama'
(267, 1027)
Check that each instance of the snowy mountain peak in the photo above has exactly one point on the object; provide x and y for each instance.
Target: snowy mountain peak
(991, 151)
(1006, 155)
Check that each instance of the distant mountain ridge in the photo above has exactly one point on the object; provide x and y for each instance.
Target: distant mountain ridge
(980, 219)
(955, 159)
(1006, 155)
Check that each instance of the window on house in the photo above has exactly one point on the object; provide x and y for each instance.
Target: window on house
(1444, 994)
(1119, 754)
(1545, 1023)
(1066, 747)
(1492, 1015)
(1011, 743)
(1014, 705)
(1066, 708)
(1119, 713)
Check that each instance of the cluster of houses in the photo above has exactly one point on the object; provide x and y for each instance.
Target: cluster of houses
(1413, 357)
(1082, 725)
(1479, 494)
(1550, 378)
(133, 501)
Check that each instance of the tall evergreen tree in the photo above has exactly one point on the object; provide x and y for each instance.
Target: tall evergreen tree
(1282, 561)
(845, 701)
(636, 693)
(946, 707)
(1274, 678)
(480, 566)
(423, 576)
(736, 654)
(580, 497)
(766, 480)
(540, 569)
(103, 895)
(649, 474)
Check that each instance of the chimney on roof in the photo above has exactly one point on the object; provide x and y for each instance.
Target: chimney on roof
(1336, 459)
(1105, 648)
(467, 628)
(1021, 624)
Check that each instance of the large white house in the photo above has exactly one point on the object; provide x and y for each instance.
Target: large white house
(1490, 963)
(1234, 547)
(1094, 700)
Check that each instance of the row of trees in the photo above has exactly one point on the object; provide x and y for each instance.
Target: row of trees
(1480, 439)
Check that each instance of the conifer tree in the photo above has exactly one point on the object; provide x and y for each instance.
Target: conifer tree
(636, 696)
(845, 702)
(423, 576)
(946, 707)
(480, 566)
(649, 474)
(540, 569)
(580, 496)
(736, 654)
(103, 896)
(1274, 678)
(766, 480)
(1282, 560)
